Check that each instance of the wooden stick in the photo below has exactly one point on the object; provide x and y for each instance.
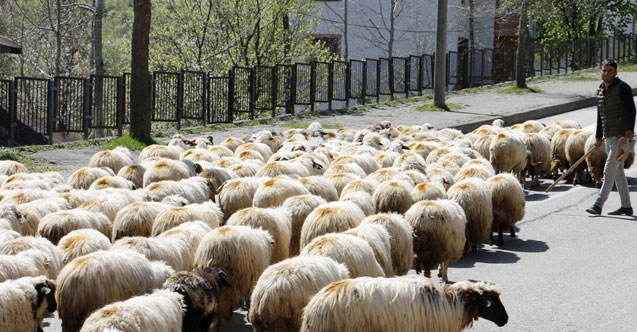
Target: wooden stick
(568, 171)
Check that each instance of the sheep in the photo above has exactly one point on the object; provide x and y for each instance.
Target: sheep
(273, 192)
(136, 219)
(244, 169)
(290, 168)
(320, 186)
(42, 181)
(351, 168)
(227, 162)
(347, 249)
(57, 224)
(340, 180)
(82, 242)
(401, 244)
(160, 151)
(393, 196)
(111, 203)
(367, 163)
(568, 124)
(192, 232)
(210, 213)
(198, 154)
(479, 171)
(596, 160)
(25, 302)
(111, 182)
(10, 167)
(25, 243)
(89, 282)
(31, 213)
(162, 310)
(276, 222)
(428, 191)
(482, 145)
(539, 156)
(217, 176)
(263, 149)
(231, 143)
(237, 194)
(134, 174)
(8, 235)
(285, 288)
(240, 251)
(550, 130)
(366, 185)
(558, 151)
(575, 150)
(384, 174)
(167, 169)
(114, 159)
(176, 251)
(75, 198)
(507, 153)
(364, 201)
(507, 197)
(386, 159)
(441, 176)
(85, 176)
(32, 262)
(381, 304)
(328, 218)
(410, 160)
(439, 234)
(194, 190)
(411, 176)
(379, 239)
(299, 207)
(474, 197)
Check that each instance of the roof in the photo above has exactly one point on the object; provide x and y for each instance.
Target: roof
(7, 46)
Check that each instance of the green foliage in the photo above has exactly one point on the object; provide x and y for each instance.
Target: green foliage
(581, 78)
(514, 89)
(433, 108)
(8, 154)
(126, 141)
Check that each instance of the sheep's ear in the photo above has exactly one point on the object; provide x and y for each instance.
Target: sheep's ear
(198, 168)
(223, 281)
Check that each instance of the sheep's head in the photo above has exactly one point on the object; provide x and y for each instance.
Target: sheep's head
(481, 300)
(46, 295)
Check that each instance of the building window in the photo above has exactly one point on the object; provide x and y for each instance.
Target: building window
(332, 41)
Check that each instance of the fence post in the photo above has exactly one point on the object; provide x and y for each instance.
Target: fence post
(121, 105)
(330, 84)
(292, 90)
(273, 90)
(204, 97)
(421, 69)
(390, 67)
(348, 82)
(51, 92)
(231, 95)
(312, 85)
(378, 67)
(252, 86)
(180, 98)
(407, 76)
(364, 83)
(447, 65)
(13, 103)
(86, 107)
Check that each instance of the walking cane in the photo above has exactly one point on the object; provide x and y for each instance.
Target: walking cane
(568, 171)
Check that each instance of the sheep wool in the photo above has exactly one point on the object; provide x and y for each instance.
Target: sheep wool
(474, 196)
(237, 194)
(596, 160)
(508, 201)
(381, 304)
(210, 213)
(401, 243)
(82, 242)
(379, 239)
(393, 196)
(575, 150)
(284, 289)
(240, 251)
(26, 263)
(31, 213)
(134, 174)
(439, 234)
(111, 182)
(362, 199)
(167, 169)
(194, 190)
(367, 185)
(114, 159)
(136, 219)
(92, 281)
(320, 186)
(10, 167)
(57, 224)
(329, 218)
(176, 251)
(25, 302)
(347, 249)
(273, 192)
(275, 221)
(24, 243)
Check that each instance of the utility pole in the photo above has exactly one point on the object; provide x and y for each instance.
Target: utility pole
(440, 84)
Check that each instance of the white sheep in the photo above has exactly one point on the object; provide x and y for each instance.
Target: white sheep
(273, 192)
(134, 174)
(275, 221)
(195, 189)
(401, 243)
(539, 157)
(24, 243)
(286, 287)
(244, 169)
(174, 251)
(89, 282)
(85, 176)
(217, 176)
(347, 249)
(366, 162)
(320, 186)
(263, 149)
(240, 251)
(192, 232)
(393, 196)
(112, 201)
(379, 239)
(10, 167)
(111, 182)
(474, 196)
(299, 207)
(25, 302)
(114, 159)
(160, 151)
(328, 218)
(558, 151)
(237, 194)
(57, 224)
(596, 160)
(428, 191)
(136, 219)
(167, 169)
(439, 234)
(507, 153)
(575, 150)
(8, 235)
(209, 212)
(231, 143)
(381, 304)
(82, 242)
(362, 199)
(32, 262)
(441, 176)
(508, 201)
(367, 185)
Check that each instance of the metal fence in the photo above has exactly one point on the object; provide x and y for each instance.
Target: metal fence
(72, 104)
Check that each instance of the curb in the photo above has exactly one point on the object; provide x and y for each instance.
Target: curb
(532, 114)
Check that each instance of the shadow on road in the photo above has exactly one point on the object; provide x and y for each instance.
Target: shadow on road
(486, 256)
(536, 197)
(519, 245)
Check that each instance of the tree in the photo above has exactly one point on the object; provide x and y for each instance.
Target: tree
(381, 33)
(440, 84)
(140, 77)
(521, 55)
(342, 13)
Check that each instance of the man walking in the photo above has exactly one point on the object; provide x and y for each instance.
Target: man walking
(615, 120)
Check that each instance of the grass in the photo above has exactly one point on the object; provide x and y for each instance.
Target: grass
(433, 108)
(9, 154)
(34, 164)
(581, 78)
(126, 141)
(514, 89)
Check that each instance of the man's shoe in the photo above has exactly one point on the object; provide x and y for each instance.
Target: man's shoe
(596, 210)
(627, 211)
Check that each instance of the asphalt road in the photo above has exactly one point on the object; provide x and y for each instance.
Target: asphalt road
(566, 270)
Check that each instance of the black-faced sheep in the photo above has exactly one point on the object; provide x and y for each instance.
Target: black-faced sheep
(120, 274)
(350, 250)
(508, 201)
(329, 218)
(439, 234)
(299, 207)
(242, 253)
(285, 288)
(381, 304)
(25, 302)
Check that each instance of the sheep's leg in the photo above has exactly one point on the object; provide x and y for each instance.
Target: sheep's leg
(442, 272)
(500, 238)
(427, 273)
(474, 246)
(513, 232)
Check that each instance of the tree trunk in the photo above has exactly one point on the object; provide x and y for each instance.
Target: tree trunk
(98, 65)
(440, 84)
(392, 24)
(520, 65)
(345, 39)
(472, 42)
(58, 38)
(140, 77)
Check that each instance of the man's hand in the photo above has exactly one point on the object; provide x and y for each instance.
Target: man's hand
(630, 135)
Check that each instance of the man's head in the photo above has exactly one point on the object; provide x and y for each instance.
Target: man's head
(609, 71)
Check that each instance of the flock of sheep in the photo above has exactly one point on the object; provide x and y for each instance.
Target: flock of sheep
(313, 229)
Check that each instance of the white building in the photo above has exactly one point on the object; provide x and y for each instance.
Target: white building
(369, 25)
